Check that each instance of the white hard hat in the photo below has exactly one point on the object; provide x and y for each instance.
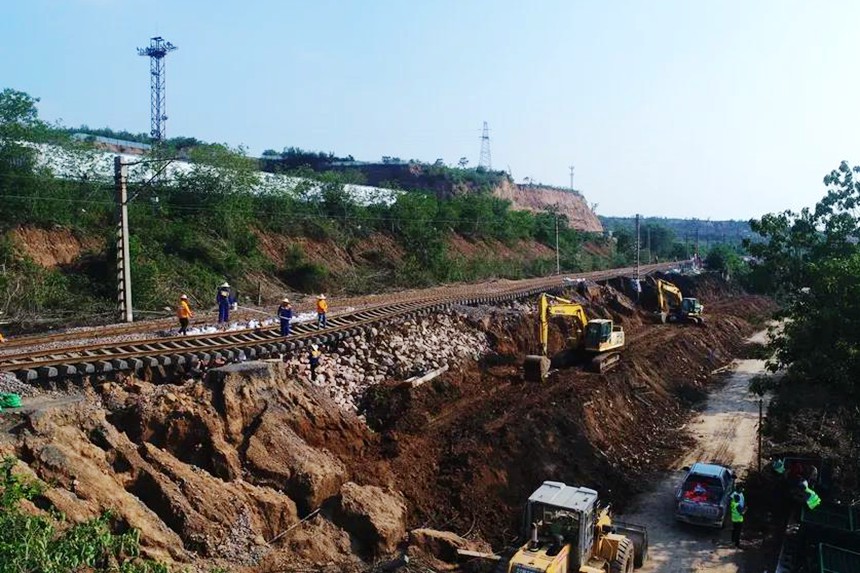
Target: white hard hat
(315, 346)
(225, 285)
(322, 296)
(285, 300)
(184, 297)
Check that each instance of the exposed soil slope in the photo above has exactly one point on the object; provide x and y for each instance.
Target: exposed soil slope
(215, 469)
(540, 198)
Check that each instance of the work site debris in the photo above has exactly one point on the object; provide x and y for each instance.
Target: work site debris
(413, 347)
(9, 384)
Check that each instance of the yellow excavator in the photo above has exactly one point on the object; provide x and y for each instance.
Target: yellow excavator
(598, 337)
(570, 532)
(674, 306)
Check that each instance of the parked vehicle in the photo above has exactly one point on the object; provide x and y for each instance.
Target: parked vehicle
(703, 496)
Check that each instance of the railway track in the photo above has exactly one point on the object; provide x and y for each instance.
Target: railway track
(104, 357)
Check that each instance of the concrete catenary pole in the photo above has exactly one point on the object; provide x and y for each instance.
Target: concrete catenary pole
(123, 258)
(638, 247)
(557, 257)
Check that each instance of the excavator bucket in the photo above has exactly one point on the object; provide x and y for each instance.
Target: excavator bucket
(535, 368)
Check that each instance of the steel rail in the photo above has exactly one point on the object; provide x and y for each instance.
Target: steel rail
(106, 357)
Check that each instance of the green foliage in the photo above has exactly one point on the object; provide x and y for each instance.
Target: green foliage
(724, 259)
(686, 230)
(301, 274)
(47, 543)
(210, 219)
(812, 260)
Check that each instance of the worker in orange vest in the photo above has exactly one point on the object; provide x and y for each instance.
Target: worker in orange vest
(322, 308)
(183, 311)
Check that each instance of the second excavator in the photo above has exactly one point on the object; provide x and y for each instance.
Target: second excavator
(673, 306)
(599, 338)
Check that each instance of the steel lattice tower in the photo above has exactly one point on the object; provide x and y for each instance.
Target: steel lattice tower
(156, 51)
(485, 161)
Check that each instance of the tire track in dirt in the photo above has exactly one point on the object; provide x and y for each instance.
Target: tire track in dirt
(725, 432)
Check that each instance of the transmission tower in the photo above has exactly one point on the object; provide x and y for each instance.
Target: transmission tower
(485, 161)
(571, 177)
(156, 52)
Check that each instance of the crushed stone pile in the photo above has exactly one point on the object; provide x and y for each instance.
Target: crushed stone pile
(9, 384)
(412, 348)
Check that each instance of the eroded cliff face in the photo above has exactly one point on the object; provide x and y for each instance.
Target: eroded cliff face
(538, 198)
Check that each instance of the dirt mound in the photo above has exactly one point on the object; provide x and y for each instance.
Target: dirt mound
(211, 469)
(468, 448)
(54, 247)
(225, 468)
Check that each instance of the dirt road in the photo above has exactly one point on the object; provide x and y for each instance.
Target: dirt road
(725, 432)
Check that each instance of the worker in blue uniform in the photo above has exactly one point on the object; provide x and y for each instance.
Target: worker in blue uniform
(225, 299)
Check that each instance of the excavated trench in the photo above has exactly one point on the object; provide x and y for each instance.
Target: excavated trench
(221, 470)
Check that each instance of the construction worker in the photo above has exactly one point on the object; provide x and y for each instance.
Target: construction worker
(779, 466)
(314, 360)
(740, 489)
(737, 509)
(285, 313)
(224, 298)
(812, 499)
(322, 308)
(184, 313)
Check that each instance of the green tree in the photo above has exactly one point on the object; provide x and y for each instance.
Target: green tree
(813, 260)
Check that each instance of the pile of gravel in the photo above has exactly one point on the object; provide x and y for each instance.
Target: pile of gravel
(9, 384)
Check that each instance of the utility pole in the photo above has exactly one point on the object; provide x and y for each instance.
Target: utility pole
(123, 258)
(697, 242)
(557, 257)
(760, 420)
(571, 177)
(650, 254)
(638, 249)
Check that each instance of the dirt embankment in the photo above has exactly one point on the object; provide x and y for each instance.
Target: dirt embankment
(55, 247)
(539, 198)
(214, 470)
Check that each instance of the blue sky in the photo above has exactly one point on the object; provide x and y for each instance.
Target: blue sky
(683, 108)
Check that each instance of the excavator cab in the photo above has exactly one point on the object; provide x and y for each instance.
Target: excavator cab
(568, 532)
(691, 306)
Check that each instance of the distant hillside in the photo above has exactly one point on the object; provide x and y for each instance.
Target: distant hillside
(685, 230)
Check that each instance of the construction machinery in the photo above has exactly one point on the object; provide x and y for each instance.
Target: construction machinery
(673, 306)
(569, 531)
(599, 337)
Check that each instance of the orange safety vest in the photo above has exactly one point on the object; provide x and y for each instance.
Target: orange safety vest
(322, 305)
(184, 311)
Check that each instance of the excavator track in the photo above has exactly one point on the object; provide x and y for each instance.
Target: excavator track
(605, 362)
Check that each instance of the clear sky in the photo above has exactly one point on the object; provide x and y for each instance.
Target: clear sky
(683, 108)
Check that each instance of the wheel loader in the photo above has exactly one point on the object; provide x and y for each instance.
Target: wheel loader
(598, 337)
(570, 532)
(674, 306)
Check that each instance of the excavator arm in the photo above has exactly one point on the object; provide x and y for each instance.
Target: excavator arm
(550, 306)
(668, 296)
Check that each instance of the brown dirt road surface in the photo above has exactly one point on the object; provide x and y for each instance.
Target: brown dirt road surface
(725, 433)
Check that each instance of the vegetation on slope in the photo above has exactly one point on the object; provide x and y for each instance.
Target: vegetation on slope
(35, 540)
(204, 226)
